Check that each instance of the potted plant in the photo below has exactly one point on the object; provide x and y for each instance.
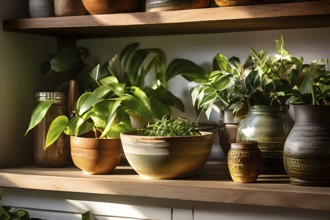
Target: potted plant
(268, 86)
(224, 92)
(121, 94)
(260, 88)
(307, 148)
(169, 148)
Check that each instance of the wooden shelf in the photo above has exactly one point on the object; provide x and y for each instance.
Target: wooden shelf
(309, 14)
(212, 184)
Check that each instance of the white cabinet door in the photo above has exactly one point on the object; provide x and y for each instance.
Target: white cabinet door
(182, 214)
(72, 205)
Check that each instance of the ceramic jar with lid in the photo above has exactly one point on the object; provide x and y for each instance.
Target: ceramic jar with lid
(244, 161)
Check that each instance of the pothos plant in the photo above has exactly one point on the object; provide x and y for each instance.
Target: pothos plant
(147, 70)
(121, 92)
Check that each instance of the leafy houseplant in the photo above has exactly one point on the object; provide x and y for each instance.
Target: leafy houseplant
(307, 149)
(72, 63)
(121, 93)
(170, 148)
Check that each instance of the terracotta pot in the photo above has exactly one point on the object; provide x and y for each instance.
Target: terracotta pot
(225, 3)
(110, 6)
(95, 156)
(69, 8)
(156, 157)
(41, 8)
(269, 126)
(307, 148)
(244, 161)
(166, 5)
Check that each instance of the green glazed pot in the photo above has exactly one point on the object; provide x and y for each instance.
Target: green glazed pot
(269, 126)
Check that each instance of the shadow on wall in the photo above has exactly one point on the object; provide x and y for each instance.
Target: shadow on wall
(20, 77)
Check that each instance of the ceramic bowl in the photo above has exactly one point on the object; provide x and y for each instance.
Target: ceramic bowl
(156, 157)
(95, 156)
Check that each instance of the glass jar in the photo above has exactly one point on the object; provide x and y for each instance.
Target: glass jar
(57, 154)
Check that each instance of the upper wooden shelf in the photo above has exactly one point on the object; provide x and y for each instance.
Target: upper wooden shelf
(308, 14)
(212, 184)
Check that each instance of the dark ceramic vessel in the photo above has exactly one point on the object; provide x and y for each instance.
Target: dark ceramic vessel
(307, 148)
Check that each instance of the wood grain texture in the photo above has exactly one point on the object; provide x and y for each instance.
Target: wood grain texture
(309, 14)
(212, 184)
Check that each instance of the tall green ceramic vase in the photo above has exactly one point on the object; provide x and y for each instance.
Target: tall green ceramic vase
(269, 126)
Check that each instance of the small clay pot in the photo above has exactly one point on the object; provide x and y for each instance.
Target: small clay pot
(244, 161)
(225, 3)
(110, 6)
(69, 8)
(95, 156)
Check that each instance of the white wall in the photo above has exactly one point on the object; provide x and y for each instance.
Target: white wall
(20, 58)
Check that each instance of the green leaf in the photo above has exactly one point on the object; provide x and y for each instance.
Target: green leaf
(220, 62)
(56, 129)
(166, 97)
(39, 113)
(187, 69)
(92, 98)
(86, 216)
(112, 108)
(78, 126)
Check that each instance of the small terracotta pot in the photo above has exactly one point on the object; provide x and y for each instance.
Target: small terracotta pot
(160, 157)
(167, 5)
(110, 6)
(225, 3)
(69, 8)
(95, 156)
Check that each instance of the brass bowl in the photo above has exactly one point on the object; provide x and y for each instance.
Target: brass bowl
(157, 157)
(95, 156)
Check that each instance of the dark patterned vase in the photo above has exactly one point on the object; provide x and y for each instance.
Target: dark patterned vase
(307, 148)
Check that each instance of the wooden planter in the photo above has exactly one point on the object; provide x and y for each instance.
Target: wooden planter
(95, 156)
(156, 157)
(167, 5)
